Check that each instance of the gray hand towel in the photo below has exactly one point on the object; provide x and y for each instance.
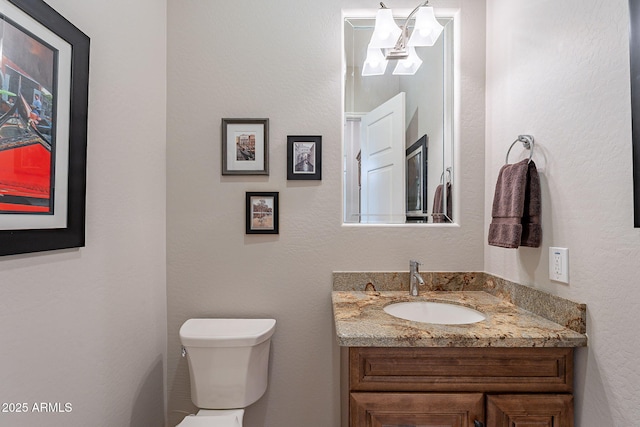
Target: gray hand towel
(516, 207)
(531, 228)
(438, 214)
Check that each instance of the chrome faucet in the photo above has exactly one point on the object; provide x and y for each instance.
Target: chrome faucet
(414, 278)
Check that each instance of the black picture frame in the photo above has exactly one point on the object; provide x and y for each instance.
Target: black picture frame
(245, 146)
(304, 157)
(18, 235)
(262, 212)
(634, 51)
(416, 167)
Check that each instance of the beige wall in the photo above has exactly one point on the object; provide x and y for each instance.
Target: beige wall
(282, 60)
(88, 326)
(561, 73)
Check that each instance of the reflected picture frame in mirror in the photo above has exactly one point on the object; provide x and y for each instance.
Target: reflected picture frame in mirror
(430, 109)
(416, 169)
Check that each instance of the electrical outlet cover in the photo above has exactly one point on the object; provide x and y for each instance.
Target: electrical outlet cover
(559, 264)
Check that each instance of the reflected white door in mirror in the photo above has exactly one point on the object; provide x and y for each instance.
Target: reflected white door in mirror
(398, 145)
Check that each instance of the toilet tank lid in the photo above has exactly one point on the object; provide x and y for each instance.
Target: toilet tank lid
(226, 332)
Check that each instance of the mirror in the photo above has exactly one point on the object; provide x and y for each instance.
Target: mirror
(398, 133)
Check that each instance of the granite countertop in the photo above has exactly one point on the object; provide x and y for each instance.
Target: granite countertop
(360, 321)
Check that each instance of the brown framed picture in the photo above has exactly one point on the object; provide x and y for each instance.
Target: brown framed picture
(245, 146)
(43, 129)
(262, 213)
(304, 157)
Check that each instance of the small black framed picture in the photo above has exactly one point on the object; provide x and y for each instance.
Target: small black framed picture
(304, 157)
(262, 213)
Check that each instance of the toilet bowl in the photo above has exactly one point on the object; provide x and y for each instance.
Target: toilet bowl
(228, 367)
(219, 418)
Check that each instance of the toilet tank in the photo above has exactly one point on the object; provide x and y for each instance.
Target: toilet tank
(228, 360)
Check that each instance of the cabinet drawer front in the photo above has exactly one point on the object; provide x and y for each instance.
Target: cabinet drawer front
(461, 369)
(415, 409)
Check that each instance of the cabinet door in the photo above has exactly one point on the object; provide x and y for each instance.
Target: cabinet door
(526, 410)
(415, 409)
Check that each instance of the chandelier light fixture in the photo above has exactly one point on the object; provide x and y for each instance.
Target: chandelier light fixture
(390, 42)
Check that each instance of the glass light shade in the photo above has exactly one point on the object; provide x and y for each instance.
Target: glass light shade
(375, 64)
(427, 28)
(409, 66)
(386, 32)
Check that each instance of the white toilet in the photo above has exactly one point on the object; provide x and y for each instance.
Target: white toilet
(228, 366)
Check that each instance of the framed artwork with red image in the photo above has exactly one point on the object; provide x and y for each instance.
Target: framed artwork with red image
(44, 69)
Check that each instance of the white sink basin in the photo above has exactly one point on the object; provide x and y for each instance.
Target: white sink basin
(435, 312)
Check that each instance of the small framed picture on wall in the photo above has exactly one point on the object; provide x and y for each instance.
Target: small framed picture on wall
(245, 146)
(262, 213)
(304, 157)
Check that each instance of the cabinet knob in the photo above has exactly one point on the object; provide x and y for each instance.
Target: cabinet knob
(477, 423)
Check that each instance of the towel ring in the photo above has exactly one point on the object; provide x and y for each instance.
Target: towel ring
(448, 173)
(527, 143)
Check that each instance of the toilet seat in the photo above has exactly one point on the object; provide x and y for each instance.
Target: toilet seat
(208, 418)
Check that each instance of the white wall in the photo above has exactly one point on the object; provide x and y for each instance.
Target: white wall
(282, 60)
(560, 71)
(88, 326)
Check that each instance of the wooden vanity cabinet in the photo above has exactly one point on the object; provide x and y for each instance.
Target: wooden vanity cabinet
(461, 387)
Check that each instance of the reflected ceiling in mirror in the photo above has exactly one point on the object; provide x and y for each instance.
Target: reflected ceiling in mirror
(398, 133)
